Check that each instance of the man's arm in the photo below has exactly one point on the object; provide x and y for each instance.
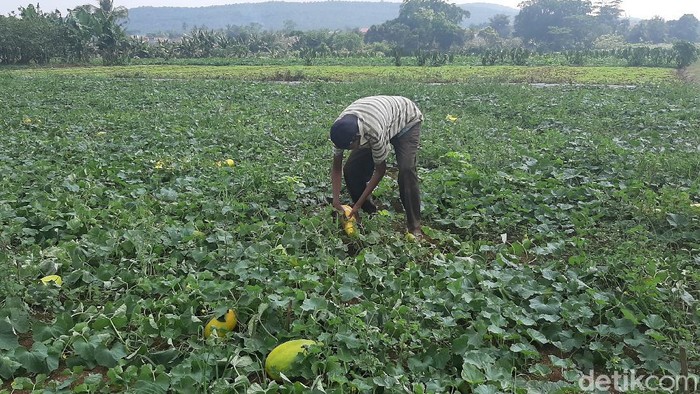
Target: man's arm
(379, 171)
(336, 175)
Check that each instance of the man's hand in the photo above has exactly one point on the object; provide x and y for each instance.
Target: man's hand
(355, 213)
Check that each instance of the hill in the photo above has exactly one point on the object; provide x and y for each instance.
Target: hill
(274, 15)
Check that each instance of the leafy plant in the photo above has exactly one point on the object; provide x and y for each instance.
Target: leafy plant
(562, 222)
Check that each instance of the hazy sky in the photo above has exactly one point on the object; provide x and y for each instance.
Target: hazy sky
(645, 9)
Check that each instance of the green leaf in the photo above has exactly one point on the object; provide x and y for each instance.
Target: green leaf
(104, 357)
(623, 326)
(540, 369)
(8, 367)
(571, 375)
(537, 336)
(384, 381)
(524, 348)
(71, 187)
(45, 332)
(677, 220)
(551, 308)
(629, 315)
(93, 379)
(418, 365)
(655, 335)
(84, 350)
(33, 361)
(120, 322)
(471, 374)
(101, 322)
(8, 338)
(149, 387)
(655, 322)
(349, 292)
(20, 320)
(22, 383)
(560, 362)
(526, 321)
(314, 304)
(165, 357)
(496, 330)
(478, 359)
(486, 389)
(167, 194)
(687, 298)
(109, 357)
(373, 259)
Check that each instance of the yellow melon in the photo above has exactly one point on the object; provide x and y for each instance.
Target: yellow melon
(221, 324)
(349, 222)
(283, 356)
(52, 278)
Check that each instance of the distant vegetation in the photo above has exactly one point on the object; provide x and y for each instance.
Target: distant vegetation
(430, 31)
(279, 15)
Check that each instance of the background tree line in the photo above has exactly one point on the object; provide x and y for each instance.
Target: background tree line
(34, 36)
(430, 30)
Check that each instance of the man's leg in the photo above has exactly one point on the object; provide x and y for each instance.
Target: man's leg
(406, 148)
(358, 171)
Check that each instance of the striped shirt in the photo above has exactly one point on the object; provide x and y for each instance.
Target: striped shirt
(381, 118)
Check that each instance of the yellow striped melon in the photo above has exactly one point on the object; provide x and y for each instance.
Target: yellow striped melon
(283, 356)
(221, 325)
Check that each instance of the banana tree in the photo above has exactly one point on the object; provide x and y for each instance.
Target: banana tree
(98, 29)
(80, 33)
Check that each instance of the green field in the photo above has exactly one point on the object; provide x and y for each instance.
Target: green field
(564, 224)
(334, 73)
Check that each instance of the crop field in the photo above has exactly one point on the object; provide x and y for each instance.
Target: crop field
(336, 73)
(563, 228)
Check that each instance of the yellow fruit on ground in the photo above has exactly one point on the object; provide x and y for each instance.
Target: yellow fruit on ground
(221, 324)
(349, 228)
(229, 162)
(349, 222)
(52, 278)
(283, 356)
